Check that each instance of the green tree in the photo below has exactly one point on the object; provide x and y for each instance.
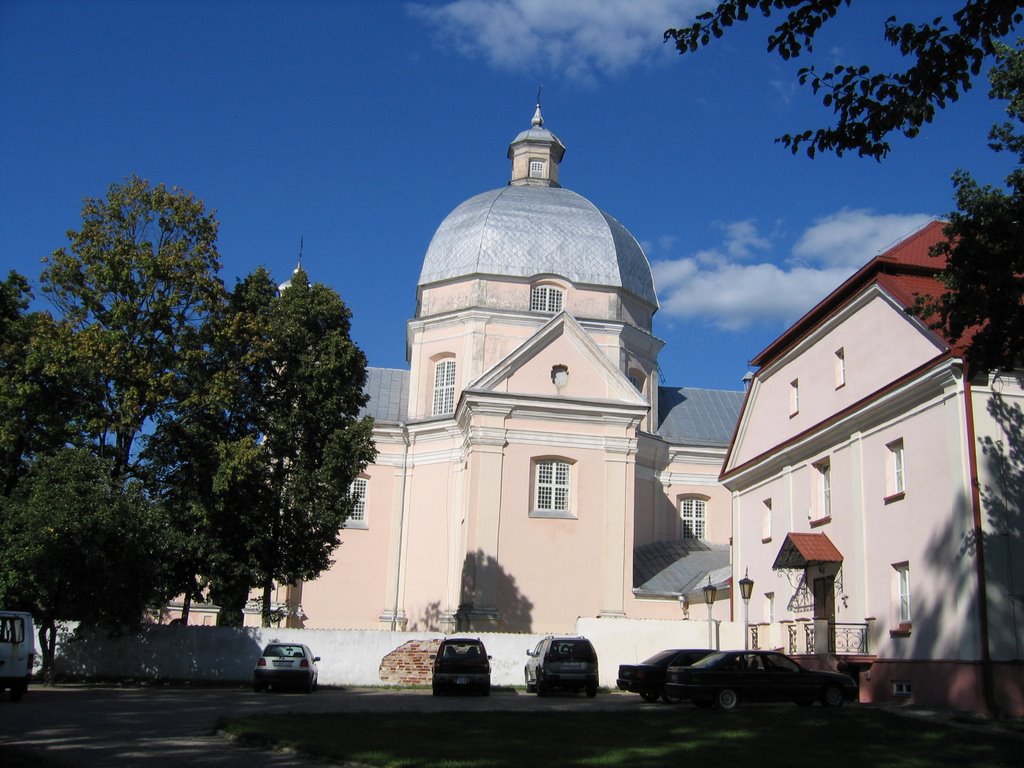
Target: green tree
(870, 106)
(984, 249)
(134, 285)
(42, 401)
(79, 545)
(264, 453)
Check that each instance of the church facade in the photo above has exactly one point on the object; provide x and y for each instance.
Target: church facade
(530, 468)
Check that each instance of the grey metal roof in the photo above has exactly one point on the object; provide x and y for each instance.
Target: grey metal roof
(699, 416)
(388, 389)
(677, 567)
(522, 231)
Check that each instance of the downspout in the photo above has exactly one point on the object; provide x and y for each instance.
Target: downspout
(401, 524)
(987, 683)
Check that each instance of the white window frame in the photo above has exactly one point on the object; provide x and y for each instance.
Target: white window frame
(444, 387)
(840, 368)
(357, 517)
(823, 492)
(766, 521)
(538, 169)
(547, 298)
(552, 488)
(794, 397)
(693, 518)
(897, 475)
(903, 593)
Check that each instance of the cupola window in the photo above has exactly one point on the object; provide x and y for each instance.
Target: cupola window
(536, 169)
(546, 298)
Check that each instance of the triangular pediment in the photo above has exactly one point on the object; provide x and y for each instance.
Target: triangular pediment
(560, 360)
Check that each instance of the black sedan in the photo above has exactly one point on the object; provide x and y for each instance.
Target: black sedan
(728, 678)
(648, 678)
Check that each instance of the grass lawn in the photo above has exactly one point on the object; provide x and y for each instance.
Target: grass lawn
(847, 737)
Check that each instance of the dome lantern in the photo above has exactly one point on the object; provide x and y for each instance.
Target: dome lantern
(535, 154)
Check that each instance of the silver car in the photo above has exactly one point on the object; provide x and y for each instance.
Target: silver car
(286, 665)
(566, 663)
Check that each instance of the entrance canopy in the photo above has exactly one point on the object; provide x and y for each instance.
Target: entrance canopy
(800, 550)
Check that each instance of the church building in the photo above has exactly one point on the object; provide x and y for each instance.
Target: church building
(531, 469)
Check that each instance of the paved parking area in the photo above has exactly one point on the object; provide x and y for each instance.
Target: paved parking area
(172, 726)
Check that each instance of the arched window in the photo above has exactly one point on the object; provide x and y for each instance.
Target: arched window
(693, 512)
(546, 298)
(444, 386)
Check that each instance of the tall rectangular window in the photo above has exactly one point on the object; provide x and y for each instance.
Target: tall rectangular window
(536, 169)
(693, 518)
(903, 591)
(552, 486)
(896, 474)
(840, 367)
(444, 387)
(358, 493)
(546, 298)
(766, 521)
(823, 501)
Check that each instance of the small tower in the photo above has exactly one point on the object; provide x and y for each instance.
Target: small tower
(535, 154)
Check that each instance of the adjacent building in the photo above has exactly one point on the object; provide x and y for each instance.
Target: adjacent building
(876, 496)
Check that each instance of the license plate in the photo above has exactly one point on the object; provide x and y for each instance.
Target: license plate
(282, 663)
(572, 665)
(461, 680)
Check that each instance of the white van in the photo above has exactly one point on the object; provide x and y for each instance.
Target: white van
(17, 652)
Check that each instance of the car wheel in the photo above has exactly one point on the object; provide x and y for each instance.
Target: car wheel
(669, 699)
(17, 692)
(726, 698)
(832, 696)
(435, 690)
(310, 686)
(542, 690)
(591, 690)
(486, 691)
(530, 687)
(650, 696)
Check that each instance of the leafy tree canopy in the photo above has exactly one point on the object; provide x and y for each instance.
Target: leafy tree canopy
(135, 284)
(870, 106)
(984, 247)
(79, 545)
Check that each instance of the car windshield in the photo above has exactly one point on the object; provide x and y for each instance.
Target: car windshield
(709, 661)
(284, 651)
(462, 650)
(571, 650)
(662, 659)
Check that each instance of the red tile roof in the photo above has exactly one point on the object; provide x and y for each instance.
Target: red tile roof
(906, 270)
(802, 549)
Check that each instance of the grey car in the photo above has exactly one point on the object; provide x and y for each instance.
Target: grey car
(564, 663)
(286, 665)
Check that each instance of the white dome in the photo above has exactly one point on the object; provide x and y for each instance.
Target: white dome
(524, 231)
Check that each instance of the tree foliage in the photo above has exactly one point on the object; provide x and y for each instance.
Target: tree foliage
(984, 247)
(870, 106)
(41, 395)
(135, 285)
(261, 457)
(79, 545)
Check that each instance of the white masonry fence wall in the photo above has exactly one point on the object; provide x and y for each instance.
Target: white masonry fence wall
(353, 657)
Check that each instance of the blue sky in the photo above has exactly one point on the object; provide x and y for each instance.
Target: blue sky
(359, 125)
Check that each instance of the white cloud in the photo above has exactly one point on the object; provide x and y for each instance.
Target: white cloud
(721, 287)
(579, 38)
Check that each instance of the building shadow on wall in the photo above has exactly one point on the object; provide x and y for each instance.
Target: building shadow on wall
(489, 601)
(1001, 539)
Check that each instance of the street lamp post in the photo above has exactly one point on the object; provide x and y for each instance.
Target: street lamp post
(746, 589)
(710, 591)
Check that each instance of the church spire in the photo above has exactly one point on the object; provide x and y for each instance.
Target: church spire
(535, 154)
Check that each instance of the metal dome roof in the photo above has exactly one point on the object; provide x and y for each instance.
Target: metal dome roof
(522, 231)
